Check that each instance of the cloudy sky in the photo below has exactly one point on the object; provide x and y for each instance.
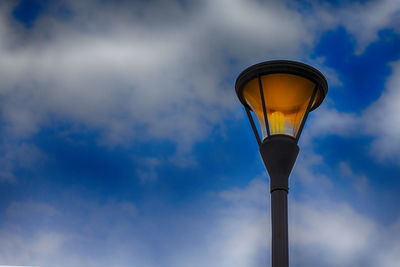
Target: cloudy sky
(122, 142)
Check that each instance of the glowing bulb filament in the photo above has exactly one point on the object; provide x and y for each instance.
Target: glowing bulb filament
(277, 122)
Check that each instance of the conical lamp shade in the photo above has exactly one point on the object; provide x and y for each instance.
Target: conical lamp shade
(286, 98)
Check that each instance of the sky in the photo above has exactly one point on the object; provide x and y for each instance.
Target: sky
(122, 141)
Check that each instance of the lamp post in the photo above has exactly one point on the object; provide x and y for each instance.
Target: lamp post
(281, 94)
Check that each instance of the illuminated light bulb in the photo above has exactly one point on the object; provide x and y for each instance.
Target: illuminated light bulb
(277, 123)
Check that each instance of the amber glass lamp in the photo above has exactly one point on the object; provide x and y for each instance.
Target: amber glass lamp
(280, 93)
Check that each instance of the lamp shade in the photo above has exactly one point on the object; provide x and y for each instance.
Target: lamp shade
(281, 93)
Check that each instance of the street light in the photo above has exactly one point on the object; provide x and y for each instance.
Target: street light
(280, 93)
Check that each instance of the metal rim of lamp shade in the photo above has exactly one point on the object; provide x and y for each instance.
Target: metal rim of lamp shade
(282, 66)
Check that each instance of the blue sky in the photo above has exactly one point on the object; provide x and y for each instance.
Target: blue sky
(122, 142)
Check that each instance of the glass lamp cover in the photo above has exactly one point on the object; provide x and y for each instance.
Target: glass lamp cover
(286, 98)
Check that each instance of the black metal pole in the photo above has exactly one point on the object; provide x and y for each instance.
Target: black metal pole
(279, 219)
(279, 154)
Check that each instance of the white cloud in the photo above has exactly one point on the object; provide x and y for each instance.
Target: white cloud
(329, 121)
(90, 234)
(334, 234)
(135, 81)
(232, 229)
(390, 254)
(143, 72)
(383, 121)
(18, 156)
(26, 250)
(380, 120)
(306, 171)
(147, 171)
(364, 21)
(360, 181)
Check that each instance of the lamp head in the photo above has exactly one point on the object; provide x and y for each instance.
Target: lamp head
(281, 93)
